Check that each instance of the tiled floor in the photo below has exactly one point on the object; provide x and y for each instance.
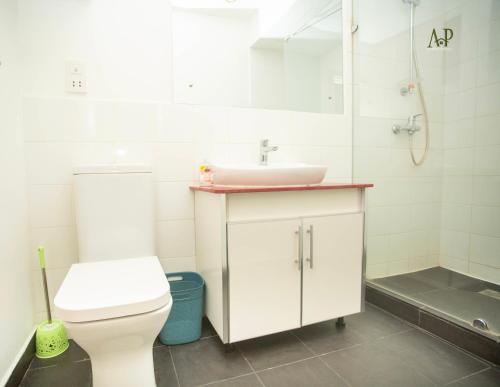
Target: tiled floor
(461, 297)
(374, 349)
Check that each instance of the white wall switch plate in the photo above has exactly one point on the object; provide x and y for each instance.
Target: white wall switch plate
(76, 79)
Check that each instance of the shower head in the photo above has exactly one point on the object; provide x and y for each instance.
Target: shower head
(412, 2)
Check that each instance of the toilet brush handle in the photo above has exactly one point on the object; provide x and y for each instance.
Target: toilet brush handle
(41, 258)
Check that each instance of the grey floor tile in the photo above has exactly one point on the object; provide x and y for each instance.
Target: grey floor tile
(310, 373)
(270, 351)
(206, 329)
(206, 361)
(70, 374)
(372, 365)
(479, 286)
(464, 305)
(374, 323)
(443, 278)
(164, 367)
(405, 285)
(241, 381)
(437, 360)
(488, 378)
(158, 343)
(326, 337)
(73, 353)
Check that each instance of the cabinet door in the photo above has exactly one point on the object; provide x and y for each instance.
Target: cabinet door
(264, 278)
(332, 272)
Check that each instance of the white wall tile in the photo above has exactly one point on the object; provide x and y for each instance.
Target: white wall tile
(487, 69)
(486, 190)
(57, 119)
(455, 244)
(175, 239)
(487, 273)
(60, 244)
(55, 278)
(487, 100)
(376, 270)
(125, 121)
(455, 264)
(485, 220)
(175, 161)
(378, 250)
(399, 247)
(54, 162)
(171, 265)
(485, 250)
(51, 205)
(133, 153)
(175, 201)
(486, 130)
(487, 160)
(456, 217)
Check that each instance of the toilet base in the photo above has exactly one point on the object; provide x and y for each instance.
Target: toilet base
(133, 368)
(121, 349)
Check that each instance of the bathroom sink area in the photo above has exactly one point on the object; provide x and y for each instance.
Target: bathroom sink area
(268, 175)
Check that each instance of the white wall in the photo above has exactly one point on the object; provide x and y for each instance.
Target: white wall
(16, 298)
(403, 217)
(136, 121)
(470, 232)
(211, 56)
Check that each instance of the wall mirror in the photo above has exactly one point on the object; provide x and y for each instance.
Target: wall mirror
(279, 54)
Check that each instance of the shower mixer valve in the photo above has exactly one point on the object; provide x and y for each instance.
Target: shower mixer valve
(411, 125)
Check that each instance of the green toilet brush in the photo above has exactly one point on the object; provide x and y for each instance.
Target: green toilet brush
(51, 337)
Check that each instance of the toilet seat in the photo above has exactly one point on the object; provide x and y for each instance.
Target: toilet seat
(110, 289)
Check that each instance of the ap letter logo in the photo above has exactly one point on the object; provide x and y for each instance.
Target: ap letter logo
(440, 42)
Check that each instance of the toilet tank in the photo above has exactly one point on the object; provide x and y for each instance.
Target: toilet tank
(115, 212)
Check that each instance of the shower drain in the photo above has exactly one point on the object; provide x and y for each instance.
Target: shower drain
(480, 324)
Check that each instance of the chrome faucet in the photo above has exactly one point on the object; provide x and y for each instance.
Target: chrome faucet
(411, 125)
(264, 151)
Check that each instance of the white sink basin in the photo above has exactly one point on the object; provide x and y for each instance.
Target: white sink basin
(268, 175)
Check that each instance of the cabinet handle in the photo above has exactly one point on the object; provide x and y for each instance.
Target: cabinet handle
(310, 259)
(298, 261)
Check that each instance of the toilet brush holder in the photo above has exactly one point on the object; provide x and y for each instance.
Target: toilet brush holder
(51, 337)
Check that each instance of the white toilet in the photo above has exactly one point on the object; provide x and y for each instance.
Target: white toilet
(116, 300)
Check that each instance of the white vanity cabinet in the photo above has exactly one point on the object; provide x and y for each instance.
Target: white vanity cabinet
(332, 267)
(275, 261)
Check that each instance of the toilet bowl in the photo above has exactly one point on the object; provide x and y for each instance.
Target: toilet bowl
(114, 310)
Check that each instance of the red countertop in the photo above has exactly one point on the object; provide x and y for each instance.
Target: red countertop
(219, 189)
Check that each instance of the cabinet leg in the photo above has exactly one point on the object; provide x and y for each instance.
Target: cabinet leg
(229, 347)
(340, 322)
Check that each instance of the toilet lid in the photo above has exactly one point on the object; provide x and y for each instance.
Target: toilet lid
(108, 289)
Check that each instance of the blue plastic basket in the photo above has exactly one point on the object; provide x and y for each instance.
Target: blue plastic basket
(184, 321)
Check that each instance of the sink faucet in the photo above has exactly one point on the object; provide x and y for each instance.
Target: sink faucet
(411, 125)
(264, 151)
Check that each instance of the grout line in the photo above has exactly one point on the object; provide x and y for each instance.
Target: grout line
(464, 351)
(207, 337)
(27, 370)
(173, 365)
(227, 379)
(251, 366)
(289, 363)
(80, 360)
(335, 372)
(324, 362)
(467, 376)
(429, 333)
(43, 367)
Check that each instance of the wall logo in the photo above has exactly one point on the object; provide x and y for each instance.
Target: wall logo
(437, 42)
